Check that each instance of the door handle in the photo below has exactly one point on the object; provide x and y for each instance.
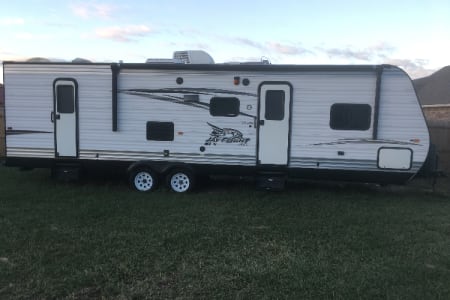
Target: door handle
(54, 116)
(261, 122)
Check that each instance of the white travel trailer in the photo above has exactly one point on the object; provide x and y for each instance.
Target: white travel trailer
(184, 117)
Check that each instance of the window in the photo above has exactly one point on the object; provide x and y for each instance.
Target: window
(224, 107)
(344, 116)
(65, 99)
(160, 131)
(274, 105)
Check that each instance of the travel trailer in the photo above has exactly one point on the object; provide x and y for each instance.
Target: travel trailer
(173, 120)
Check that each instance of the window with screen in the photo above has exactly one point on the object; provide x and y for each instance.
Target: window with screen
(275, 101)
(345, 116)
(160, 131)
(224, 106)
(65, 98)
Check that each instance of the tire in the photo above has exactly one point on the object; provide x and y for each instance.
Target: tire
(180, 180)
(143, 180)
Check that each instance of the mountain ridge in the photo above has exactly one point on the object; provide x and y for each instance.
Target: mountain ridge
(435, 88)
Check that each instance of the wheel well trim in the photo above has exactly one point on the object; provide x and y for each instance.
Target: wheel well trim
(160, 167)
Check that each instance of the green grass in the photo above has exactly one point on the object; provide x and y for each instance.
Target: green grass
(99, 239)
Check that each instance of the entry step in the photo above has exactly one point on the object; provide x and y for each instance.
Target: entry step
(66, 173)
(271, 181)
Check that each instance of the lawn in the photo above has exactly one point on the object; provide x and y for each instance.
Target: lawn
(100, 239)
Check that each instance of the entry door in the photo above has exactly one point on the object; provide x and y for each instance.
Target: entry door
(274, 123)
(65, 117)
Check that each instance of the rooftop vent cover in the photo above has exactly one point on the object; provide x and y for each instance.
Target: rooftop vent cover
(193, 57)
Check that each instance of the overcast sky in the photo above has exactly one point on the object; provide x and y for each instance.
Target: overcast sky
(412, 34)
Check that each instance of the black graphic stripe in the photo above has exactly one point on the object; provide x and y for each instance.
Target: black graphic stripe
(198, 91)
(148, 93)
(16, 132)
(366, 141)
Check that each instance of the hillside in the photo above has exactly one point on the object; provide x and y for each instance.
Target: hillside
(434, 89)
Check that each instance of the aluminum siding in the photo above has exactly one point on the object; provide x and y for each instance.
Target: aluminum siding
(313, 143)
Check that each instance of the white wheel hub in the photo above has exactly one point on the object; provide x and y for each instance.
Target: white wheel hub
(143, 181)
(180, 182)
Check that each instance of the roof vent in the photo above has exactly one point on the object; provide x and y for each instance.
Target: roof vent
(80, 60)
(193, 57)
(163, 61)
(38, 60)
(184, 57)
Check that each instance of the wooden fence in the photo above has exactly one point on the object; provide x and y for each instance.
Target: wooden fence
(438, 118)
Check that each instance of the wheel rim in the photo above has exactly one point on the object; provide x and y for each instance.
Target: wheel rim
(180, 182)
(143, 181)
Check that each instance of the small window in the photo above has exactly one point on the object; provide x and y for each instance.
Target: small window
(160, 131)
(275, 105)
(224, 107)
(344, 116)
(65, 99)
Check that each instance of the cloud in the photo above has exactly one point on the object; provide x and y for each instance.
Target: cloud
(198, 45)
(379, 53)
(11, 21)
(415, 68)
(273, 47)
(371, 53)
(60, 24)
(33, 37)
(123, 34)
(9, 54)
(348, 53)
(248, 42)
(92, 10)
(286, 49)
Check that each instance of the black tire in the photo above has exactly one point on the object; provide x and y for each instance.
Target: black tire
(180, 180)
(143, 179)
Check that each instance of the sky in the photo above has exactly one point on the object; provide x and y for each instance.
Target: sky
(414, 35)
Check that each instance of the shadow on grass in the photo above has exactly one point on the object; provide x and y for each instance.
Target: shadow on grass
(220, 184)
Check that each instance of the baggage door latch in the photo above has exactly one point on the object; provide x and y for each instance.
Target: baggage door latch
(54, 116)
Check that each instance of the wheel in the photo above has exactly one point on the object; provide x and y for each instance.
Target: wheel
(180, 180)
(143, 180)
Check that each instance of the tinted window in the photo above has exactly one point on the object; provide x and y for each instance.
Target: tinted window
(345, 116)
(160, 131)
(65, 99)
(224, 107)
(275, 105)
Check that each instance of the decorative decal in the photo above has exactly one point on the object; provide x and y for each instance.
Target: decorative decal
(225, 135)
(16, 132)
(366, 141)
(180, 96)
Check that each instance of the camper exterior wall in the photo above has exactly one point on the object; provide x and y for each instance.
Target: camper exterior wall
(29, 90)
(147, 96)
(153, 93)
(400, 123)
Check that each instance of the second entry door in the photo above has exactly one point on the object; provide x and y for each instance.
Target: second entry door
(274, 123)
(65, 118)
